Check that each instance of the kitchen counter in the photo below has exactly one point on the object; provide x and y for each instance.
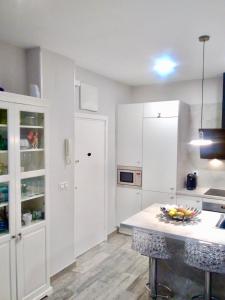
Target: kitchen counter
(204, 229)
(199, 192)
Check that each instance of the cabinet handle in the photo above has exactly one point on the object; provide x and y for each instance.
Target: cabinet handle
(171, 189)
(171, 197)
(19, 236)
(159, 115)
(13, 237)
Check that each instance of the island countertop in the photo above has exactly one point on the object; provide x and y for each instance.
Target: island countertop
(205, 229)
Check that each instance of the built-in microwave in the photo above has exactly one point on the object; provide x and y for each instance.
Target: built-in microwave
(129, 176)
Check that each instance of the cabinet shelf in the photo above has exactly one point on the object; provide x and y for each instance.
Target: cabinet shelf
(31, 150)
(3, 151)
(30, 174)
(31, 126)
(4, 232)
(23, 199)
(33, 223)
(3, 125)
(3, 204)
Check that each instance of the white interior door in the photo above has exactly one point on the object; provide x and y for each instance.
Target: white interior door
(90, 182)
(160, 154)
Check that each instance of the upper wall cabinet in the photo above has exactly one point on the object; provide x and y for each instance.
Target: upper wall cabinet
(163, 109)
(129, 133)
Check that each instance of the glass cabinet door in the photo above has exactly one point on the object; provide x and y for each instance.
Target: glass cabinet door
(4, 208)
(31, 141)
(32, 159)
(4, 171)
(32, 200)
(3, 142)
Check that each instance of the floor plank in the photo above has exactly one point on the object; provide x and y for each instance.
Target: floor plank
(109, 271)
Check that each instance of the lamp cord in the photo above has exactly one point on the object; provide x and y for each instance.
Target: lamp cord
(203, 78)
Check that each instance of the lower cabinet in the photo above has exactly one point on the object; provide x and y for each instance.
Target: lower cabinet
(195, 202)
(149, 198)
(128, 203)
(7, 270)
(32, 272)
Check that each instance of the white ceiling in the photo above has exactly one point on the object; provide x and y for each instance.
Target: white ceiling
(121, 38)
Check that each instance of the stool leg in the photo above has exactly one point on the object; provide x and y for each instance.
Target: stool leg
(153, 275)
(207, 293)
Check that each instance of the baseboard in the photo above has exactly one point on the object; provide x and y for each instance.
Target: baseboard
(67, 268)
(115, 231)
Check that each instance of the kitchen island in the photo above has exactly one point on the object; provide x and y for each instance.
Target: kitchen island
(184, 280)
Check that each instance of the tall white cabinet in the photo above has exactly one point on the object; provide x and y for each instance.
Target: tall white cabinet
(154, 134)
(24, 271)
(165, 140)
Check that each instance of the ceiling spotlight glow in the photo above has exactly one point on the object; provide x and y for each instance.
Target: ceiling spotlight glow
(164, 66)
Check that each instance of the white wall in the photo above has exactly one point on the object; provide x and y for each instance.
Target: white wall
(13, 69)
(58, 88)
(110, 94)
(211, 173)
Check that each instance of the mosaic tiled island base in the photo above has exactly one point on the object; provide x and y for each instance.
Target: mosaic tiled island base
(184, 280)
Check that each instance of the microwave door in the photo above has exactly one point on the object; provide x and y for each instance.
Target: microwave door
(126, 177)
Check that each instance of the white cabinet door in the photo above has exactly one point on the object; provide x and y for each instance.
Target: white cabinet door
(31, 263)
(7, 270)
(149, 198)
(195, 202)
(129, 135)
(161, 109)
(128, 203)
(160, 154)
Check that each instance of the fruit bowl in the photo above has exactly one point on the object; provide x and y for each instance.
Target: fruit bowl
(180, 213)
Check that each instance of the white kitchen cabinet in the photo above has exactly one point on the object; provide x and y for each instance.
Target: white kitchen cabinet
(162, 109)
(160, 154)
(149, 198)
(187, 201)
(24, 271)
(128, 203)
(129, 135)
(7, 269)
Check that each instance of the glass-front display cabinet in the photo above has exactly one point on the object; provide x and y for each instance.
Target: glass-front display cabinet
(23, 198)
(32, 161)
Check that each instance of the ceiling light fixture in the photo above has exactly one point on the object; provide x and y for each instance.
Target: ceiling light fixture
(164, 66)
(201, 141)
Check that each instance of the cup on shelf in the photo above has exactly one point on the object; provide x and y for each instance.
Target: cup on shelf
(27, 218)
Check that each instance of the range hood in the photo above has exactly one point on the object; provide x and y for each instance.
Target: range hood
(216, 135)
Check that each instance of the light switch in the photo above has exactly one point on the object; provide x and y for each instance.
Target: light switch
(63, 186)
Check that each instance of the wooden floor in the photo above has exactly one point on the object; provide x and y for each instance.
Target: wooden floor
(111, 270)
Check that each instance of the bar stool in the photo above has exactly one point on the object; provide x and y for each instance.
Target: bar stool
(208, 257)
(152, 245)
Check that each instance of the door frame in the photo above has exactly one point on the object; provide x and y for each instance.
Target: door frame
(97, 117)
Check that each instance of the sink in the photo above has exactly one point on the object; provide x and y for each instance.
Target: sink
(221, 223)
(215, 192)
